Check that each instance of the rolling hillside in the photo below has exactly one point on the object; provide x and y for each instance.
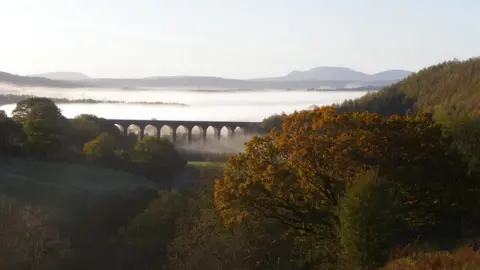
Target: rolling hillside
(447, 90)
(33, 81)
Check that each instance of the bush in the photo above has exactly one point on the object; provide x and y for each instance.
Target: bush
(366, 227)
(464, 258)
(122, 156)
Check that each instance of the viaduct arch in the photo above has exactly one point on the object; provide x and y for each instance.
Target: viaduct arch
(188, 126)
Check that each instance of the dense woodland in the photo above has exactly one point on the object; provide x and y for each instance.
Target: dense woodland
(448, 90)
(389, 181)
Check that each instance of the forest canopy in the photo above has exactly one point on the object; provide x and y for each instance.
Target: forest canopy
(448, 90)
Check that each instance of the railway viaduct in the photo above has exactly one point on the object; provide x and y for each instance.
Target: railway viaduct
(188, 126)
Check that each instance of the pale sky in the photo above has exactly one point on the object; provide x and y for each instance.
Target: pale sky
(233, 38)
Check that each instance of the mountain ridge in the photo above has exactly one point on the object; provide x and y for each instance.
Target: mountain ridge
(19, 80)
(340, 73)
(62, 75)
(317, 78)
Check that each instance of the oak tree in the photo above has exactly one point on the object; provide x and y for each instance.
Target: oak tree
(298, 176)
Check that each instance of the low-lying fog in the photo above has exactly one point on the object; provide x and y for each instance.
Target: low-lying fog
(202, 105)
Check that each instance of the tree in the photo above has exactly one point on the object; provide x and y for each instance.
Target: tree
(100, 148)
(146, 239)
(271, 122)
(466, 138)
(159, 151)
(9, 132)
(297, 176)
(42, 139)
(3, 116)
(367, 217)
(86, 127)
(37, 109)
(28, 240)
(202, 239)
(44, 125)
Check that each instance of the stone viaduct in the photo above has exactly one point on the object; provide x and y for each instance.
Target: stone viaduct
(188, 126)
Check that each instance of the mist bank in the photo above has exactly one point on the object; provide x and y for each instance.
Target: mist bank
(349, 88)
(226, 145)
(6, 99)
(251, 106)
(214, 150)
(214, 82)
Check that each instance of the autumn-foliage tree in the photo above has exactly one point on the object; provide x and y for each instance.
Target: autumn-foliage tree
(299, 175)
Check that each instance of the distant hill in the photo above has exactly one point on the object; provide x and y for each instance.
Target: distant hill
(326, 73)
(33, 81)
(316, 78)
(341, 74)
(393, 74)
(447, 90)
(63, 76)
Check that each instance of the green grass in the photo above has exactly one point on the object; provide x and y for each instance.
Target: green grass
(206, 164)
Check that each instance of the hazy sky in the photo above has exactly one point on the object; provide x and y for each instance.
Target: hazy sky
(232, 38)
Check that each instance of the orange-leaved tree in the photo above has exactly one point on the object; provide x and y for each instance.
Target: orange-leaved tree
(299, 175)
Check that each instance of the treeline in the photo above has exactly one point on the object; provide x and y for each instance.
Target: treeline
(45, 134)
(448, 90)
(11, 98)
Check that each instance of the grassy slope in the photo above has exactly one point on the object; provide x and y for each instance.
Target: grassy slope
(14, 171)
(59, 184)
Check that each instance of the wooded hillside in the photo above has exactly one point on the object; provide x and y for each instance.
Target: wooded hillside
(448, 90)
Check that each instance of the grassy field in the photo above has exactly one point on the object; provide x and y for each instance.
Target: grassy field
(205, 164)
(21, 172)
(61, 185)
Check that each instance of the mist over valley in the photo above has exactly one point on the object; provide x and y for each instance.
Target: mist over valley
(201, 105)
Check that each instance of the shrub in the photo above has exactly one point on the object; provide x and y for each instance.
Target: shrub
(464, 258)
